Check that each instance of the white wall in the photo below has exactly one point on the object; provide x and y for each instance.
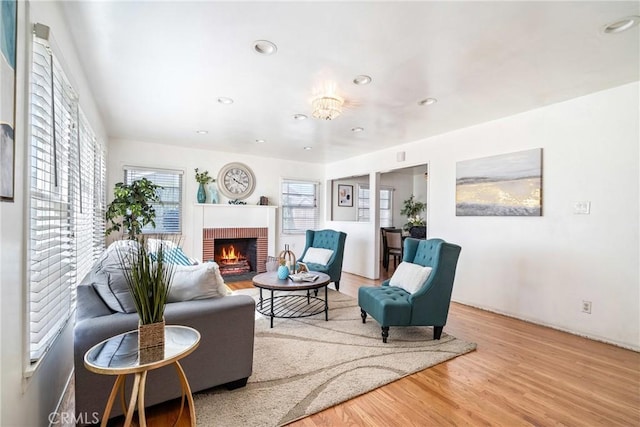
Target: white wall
(29, 401)
(268, 173)
(541, 268)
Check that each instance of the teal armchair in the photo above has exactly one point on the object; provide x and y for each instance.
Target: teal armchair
(327, 239)
(429, 305)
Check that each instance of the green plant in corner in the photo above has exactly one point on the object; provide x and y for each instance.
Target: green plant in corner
(149, 279)
(131, 208)
(412, 209)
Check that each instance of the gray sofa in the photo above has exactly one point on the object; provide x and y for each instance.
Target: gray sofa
(224, 357)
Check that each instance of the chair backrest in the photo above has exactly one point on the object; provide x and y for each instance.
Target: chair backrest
(328, 239)
(394, 238)
(434, 298)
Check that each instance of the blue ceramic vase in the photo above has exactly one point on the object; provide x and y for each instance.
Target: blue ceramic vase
(202, 195)
(283, 272)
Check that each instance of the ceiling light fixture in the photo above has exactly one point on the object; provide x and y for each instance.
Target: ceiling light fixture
(327, 107)
(622, 25)
(264, 47)
(357, 129)
(224, 100)
(299, 117)
(307, 148)
(260, 141)
(362, 79)
(427, 101)
(202, 132)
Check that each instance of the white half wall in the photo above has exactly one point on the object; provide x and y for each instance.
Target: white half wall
(541, 268)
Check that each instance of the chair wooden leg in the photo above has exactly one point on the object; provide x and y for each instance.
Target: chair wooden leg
(437, 332)
(337, 283)
(385, 333)
(363, 314)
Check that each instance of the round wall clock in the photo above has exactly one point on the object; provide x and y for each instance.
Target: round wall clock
(236, 181)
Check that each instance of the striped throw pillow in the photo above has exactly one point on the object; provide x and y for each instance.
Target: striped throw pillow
(174, 256)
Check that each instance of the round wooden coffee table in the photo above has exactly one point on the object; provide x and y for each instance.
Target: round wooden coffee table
(292, 305)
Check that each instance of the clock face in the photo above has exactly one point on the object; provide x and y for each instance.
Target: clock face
(236, 181)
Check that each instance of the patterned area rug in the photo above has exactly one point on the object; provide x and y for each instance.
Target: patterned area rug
(303, 366)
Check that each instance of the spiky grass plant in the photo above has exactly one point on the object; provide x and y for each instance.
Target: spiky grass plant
(149, 280)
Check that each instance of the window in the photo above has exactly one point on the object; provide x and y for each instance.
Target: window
(386, 205)
(169, 209)
(299, 206)
(64, 189)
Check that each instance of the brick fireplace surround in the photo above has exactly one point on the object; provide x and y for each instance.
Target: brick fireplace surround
(209, 235)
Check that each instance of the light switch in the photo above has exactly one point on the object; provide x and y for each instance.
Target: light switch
(582, 208)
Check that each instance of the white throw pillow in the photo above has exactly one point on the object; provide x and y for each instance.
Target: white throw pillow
(318, 256)
(191, 282)
(410, 277)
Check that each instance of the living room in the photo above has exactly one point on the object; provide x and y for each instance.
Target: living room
(538, 269)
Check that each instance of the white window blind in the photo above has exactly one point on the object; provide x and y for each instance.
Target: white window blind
(386, 205)
(61, 196)
(169, 210)
(299, 206)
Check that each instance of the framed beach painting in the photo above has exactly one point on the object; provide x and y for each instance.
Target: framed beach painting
(503, 185)
(345, 195)
(8, 21)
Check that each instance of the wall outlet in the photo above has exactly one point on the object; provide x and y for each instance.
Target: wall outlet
(582, 208)
(586, 307)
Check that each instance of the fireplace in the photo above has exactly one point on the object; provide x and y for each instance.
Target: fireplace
(237, 250)
(235, 256)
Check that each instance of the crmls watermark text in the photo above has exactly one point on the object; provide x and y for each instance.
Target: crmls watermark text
(69, 418)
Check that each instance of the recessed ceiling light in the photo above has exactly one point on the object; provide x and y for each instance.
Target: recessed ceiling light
(307, 148)
(622, 25)
(362, 79)
(264, 47)
(224, 100)
(299, 117)
(357, 129)
(260, 141)
(202, 132)
(427, 101)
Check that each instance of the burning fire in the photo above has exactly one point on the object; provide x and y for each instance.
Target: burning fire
(231, 255)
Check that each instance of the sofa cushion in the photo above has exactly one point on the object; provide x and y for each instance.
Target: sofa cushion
(410, 277)
(318, 256)
(194, 282)
(108, 278)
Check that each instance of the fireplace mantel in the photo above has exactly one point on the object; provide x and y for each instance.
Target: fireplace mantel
(231, 216)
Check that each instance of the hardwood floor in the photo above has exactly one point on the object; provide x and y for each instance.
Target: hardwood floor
(521, 374)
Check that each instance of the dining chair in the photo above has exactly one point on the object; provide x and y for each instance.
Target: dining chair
(394, 247)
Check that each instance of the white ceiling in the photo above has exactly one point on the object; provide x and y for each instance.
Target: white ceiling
(157, 68)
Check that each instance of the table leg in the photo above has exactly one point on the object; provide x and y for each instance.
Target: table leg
(326, 303)
(186, 390)
(272, 308)
(117, 386)
(134, 399)
(260, 298)
(142, 418)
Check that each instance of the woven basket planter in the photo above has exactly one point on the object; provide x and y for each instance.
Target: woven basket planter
(151, 342)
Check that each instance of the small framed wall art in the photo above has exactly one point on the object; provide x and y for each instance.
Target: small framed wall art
(8, 17)
(345, 195)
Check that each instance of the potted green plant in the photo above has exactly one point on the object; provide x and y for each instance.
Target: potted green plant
(203, 178)
(149, 278)
(131, 208)
(412, 209)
